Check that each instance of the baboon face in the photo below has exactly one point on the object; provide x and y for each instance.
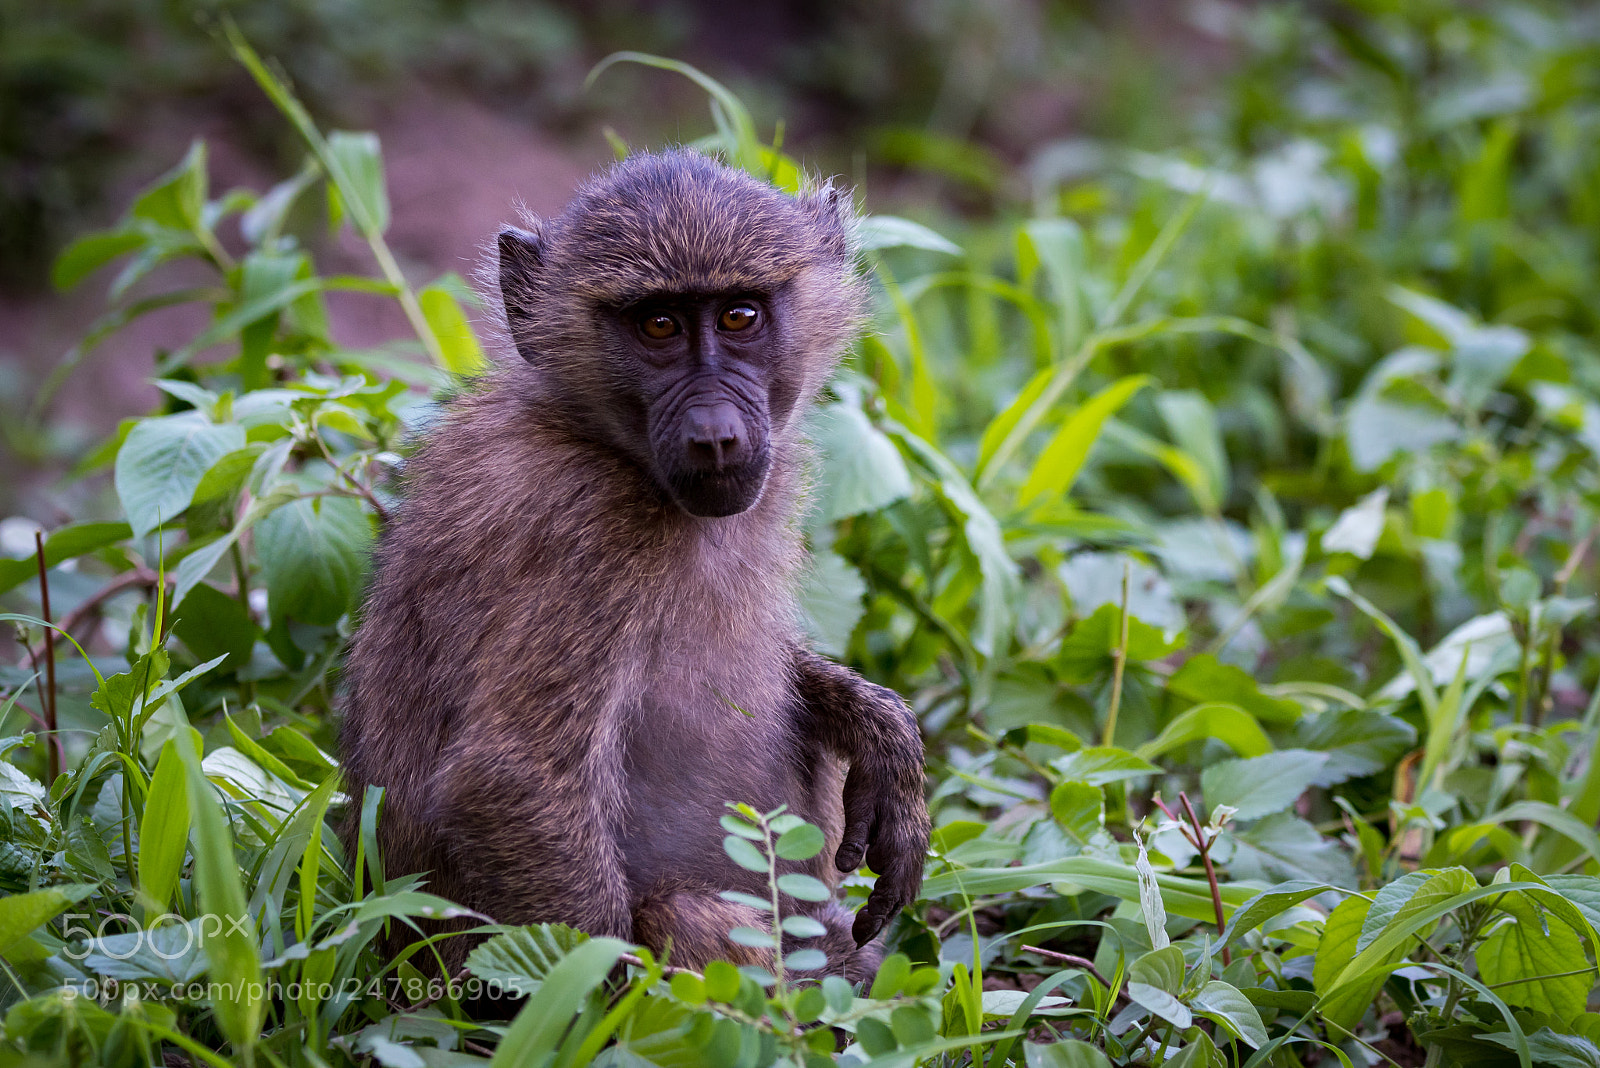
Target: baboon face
(709, 374)
(681, 312)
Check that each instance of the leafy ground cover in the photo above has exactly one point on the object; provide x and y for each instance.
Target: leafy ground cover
(1228, 519)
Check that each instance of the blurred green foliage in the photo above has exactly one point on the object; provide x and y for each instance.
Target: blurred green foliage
(1262, 472)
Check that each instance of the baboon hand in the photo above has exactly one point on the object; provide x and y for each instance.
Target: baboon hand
(886, 823)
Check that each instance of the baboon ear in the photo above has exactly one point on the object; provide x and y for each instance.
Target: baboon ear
(519, 257)
(835, 210)
(519, 272)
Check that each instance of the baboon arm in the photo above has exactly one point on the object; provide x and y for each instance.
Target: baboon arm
(885, 815)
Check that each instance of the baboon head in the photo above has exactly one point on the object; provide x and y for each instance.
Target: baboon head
(682, 312)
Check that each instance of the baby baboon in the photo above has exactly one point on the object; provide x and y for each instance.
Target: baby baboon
(581, 637)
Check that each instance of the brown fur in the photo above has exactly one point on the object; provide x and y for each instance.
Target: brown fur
(560, 674)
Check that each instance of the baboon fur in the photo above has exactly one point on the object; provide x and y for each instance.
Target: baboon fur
(560, 675)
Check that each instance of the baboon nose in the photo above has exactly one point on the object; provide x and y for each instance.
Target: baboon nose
(714, 434)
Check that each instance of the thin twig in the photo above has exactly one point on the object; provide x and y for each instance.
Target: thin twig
(1069, 958)
(53, 747)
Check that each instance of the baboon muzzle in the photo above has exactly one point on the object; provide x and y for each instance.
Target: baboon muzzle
(715, 464)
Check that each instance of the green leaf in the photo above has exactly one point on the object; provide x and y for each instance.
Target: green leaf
(1357, 529)
(1536, 949)
(875, 232)
(1357, 741)
(1228, 724)
(1099, 765)
(1281, 845)
(164, 831)
(743, 853)
(832, 592)
(230, 943)
(1190, 898)
(1335, 950)
(1086, 653)
(1263, 784)
(862, 471)
(177, 200)
(1192, 422)
(1058, 465)
(801, 843)
(21, 914)
(1080, 809)
(212, 624)
(65, 543)
(805, 960)
(355, 161)
(538, 1028)
(1203, 679)
(803, 927)
(162, 462)
(313, 555)
(1224, 1003)
(803, 887)
(1269, 903)
(1388, 902)
(1160, 968)
(1068, 1053)
(90, 253)
(457, 342)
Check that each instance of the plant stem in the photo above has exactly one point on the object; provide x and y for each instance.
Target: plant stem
(1203, 843)
(52, 746)
(1119, 664)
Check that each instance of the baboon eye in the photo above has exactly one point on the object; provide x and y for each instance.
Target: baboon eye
(658, 327)
(738, 317)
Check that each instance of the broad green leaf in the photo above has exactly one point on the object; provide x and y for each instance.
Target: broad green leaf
(832, 594)
(164, 831)
(1268, 904)
(861, 469)
(1160, 968)
(212, 624)
(1099, 765)
(1080, 809)
(1058, 245)
(1263, 784)
(1357, 529)
(1387, 903)
(875, 232)
(1335, 950)
(1281, 845)
(524, 956)
(65, 543)
(89, 253)
(1357, 741)
(1541, 951)
(1086, 653)
(1224, 1003)
(355, 161)
(1068, 1053)
(21, 914)
(538, 1028)
(1228, 724)
(744, 854)
(462, 353)
(803, 887)
(313, 554)
(1058, 465)
(177, 200)
(800, 843)
(162, 462)
(1203, 679)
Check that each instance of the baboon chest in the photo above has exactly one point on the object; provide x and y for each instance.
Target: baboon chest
(687, 751)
